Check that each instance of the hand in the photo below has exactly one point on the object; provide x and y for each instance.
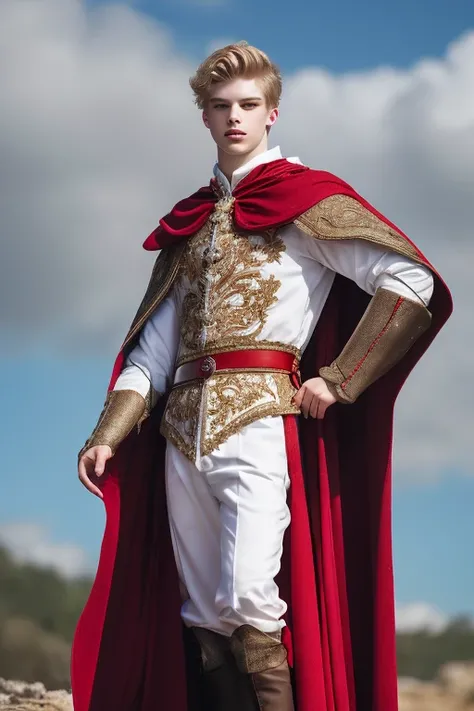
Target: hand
(93, 462)
(314, 397)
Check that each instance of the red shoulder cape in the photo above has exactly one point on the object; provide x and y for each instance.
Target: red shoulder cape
(129, 651)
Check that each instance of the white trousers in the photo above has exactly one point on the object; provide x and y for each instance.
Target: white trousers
(228, 513)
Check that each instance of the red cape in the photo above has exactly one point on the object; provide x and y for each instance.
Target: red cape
(129, 651)
(271, 195)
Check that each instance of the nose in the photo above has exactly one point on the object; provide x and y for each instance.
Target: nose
(234, 114)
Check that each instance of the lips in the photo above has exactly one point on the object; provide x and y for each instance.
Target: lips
(235, 133)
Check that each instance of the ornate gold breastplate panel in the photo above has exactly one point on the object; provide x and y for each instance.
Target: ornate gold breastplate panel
(226, 299)
(227, 295)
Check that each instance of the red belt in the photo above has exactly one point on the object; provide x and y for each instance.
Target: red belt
(263, 360)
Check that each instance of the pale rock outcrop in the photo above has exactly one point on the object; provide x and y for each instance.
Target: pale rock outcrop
(20, 696)
(452, 690)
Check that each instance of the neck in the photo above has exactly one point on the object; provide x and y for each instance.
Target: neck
(229, 163)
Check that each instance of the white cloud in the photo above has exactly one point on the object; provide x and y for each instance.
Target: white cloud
(99, 136)
(32, 543)
(417, 616)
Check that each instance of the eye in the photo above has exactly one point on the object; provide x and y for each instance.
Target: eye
(220, 106)
(250, 104)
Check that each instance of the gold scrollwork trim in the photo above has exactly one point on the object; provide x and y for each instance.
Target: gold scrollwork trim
(344, 217)
(265, 410)
(172, 435)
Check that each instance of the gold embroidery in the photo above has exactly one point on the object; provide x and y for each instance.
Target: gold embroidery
(233, 401)
(191, 262)
(181, 417)
(228, 296)
(227, 398)
(225, 307)
(222, 406)
(344, 217)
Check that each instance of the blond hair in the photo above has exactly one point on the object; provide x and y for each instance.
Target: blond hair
(236, 61)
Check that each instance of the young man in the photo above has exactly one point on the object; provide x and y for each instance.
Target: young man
(278, 291)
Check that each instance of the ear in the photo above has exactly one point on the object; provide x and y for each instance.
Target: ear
(272, 117)
(205, 120)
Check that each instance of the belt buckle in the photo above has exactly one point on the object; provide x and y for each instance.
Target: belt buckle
(208, 366)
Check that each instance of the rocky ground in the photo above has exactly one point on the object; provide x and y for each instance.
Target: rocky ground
(452, 690)
(20, 696)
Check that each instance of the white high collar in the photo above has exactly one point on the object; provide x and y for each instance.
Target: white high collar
(237, 175)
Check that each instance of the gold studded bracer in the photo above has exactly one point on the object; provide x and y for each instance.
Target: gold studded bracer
(386, 331)
(123, 410)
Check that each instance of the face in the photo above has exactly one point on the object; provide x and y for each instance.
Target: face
(237, 116)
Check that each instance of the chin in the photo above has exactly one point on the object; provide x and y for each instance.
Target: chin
(237, 149)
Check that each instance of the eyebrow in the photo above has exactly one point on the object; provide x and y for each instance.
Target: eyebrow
(251, 98)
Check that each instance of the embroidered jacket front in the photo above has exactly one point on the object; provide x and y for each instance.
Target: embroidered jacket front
(232, 291)
(224, 292)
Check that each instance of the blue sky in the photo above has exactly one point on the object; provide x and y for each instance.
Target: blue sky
(51, 399)
(342, 36)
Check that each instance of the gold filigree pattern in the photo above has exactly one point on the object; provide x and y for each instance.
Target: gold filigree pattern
(344, 217)
(226, 398)
(181, 417)
(228, 296)
(232, 401)
(225, 307)
(199, 417)
(223, 406)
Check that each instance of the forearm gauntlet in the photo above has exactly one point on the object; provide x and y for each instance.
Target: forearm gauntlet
(387, 330)
(123, 410)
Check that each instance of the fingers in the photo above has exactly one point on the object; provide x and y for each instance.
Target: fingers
(298, 397)
(306, 402)
(302, 399)
(84, 479)
(314, 407)
(318, 407)
(100, 462)
(311, 404)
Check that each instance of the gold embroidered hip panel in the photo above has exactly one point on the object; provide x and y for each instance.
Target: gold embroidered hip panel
(200, 416)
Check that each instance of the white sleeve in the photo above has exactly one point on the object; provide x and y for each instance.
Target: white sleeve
(372, 267)
(152, 360)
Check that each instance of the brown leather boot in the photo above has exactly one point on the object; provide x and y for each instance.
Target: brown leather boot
(226, 690)
(263, 658)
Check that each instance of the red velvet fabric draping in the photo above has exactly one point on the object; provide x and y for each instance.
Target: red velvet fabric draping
(128, 652)
(271, 195)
